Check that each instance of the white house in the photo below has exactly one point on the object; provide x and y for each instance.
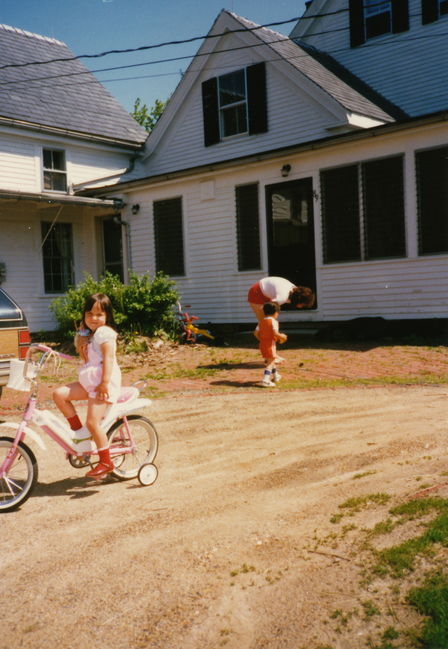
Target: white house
(322, 158)
(58, 127)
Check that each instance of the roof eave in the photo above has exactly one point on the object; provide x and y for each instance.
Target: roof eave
(54, 130)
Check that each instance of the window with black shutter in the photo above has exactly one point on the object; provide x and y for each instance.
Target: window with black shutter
(340, 213)
(432, 10)
(383, 208)
(168, 235)
(371, 18)
(235, 103)
(247, 227)
(432, 200)
(368, 224)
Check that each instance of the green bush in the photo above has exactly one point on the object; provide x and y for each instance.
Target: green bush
(142, 307)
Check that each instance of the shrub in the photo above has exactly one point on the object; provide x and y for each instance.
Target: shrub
(142, 307)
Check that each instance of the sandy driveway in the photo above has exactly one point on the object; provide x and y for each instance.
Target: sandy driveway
(233, 546)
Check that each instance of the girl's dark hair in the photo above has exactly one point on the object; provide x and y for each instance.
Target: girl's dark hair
(302, 297)
(105, 304)
(269, 308)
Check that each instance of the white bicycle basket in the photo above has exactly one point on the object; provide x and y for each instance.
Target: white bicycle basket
(17, 380)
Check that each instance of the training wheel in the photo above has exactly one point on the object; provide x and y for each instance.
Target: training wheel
(147, 474)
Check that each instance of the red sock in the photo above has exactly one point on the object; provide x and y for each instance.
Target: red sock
(75, 423)
(104, 455)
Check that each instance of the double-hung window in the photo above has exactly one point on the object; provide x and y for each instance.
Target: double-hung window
(235, 103)
(168, 236)
(57, 256)
(247, 227)
(433, 10)
(363, 211)
(55, 172)
(371, 18)
(232, 98)
(377, 17)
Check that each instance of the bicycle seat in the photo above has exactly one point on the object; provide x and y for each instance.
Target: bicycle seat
(128, 393)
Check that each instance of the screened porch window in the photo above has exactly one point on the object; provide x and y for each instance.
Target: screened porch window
(432, 200)
(363, 211)
(57, 256)
(55, 173)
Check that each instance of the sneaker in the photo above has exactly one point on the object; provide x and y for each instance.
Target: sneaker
(100, 471)
(80, 435)
(267, 384)
(277, 376)
(83, 446)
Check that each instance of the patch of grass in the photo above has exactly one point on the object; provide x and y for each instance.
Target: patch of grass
(425, 378)
(400, 558)
(431, 600)
(357, 476)
(357, 503)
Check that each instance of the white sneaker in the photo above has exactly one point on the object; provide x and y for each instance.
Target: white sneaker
(267, 384)
(277, 377)
(81, 434)
(84, 446)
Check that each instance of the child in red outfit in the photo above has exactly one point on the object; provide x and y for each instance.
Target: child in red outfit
(268, 335)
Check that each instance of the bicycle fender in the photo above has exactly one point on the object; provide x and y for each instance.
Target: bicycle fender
(28, 431)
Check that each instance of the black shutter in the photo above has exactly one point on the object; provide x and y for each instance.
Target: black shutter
(430, 11)
(168, 236)
(357, 34)
(256, 98)
(432, 200)
(210, 111)
(247, 227)
(340, 212)
(384, 208)
(400, 16)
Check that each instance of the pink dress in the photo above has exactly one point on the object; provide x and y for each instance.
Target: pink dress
(90, 373)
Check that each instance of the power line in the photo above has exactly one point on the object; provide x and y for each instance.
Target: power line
(262, 43)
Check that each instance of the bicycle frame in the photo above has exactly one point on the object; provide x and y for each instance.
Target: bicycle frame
(57, 429)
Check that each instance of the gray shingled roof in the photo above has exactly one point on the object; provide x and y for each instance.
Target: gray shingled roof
(350, 91)
(64, 102)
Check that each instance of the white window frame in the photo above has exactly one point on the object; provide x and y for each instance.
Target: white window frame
(226, 107)
(53, 171)
(376, 8)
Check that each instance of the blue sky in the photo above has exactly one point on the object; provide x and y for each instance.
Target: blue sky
(95, 26)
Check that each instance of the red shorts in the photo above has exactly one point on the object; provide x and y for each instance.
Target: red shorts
(255, 296)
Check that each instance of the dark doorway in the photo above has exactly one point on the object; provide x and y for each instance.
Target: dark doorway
(291, 231)
(113, 247)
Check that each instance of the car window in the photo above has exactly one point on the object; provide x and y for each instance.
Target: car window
(8, 309)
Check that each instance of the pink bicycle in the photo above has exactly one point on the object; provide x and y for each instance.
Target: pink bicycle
(132, 438)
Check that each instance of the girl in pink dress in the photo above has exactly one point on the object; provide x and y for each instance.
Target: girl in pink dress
(99, 379)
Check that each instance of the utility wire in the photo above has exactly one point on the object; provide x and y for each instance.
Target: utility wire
(284, 39)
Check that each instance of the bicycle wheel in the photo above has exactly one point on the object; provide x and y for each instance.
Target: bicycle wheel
(17, 485)
(143, 435)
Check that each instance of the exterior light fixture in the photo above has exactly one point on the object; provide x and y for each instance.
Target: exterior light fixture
(135, 208)
(285, 170)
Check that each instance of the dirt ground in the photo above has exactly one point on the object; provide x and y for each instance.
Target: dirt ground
(242, 542)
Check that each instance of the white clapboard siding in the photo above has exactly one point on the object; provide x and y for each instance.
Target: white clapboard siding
(413, 287)
(24, 272)
(92, 163)
(409, 68)
(294, 116)
(18, 165)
